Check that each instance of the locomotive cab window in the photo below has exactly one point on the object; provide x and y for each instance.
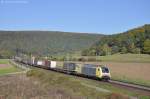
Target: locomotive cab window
(105, 70)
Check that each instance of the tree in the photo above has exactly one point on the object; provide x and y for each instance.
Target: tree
(131, 47)
(147, 46)
(106, 50)
(6, 54)
(123, 50)
(137, 51)
(115, 49)
(92, 52)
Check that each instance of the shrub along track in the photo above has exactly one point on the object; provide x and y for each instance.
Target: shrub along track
(142, 90)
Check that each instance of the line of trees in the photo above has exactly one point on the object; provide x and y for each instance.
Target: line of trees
(44, 42)
(134, 41)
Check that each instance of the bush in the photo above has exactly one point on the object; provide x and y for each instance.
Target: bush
(123, 50)
(136, 51)
(147, 46)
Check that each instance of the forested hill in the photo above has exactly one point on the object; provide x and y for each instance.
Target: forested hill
(44, 42)
(133, 41)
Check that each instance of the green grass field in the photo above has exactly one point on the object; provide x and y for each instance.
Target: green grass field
(141, 58)
(8, 68)
(4, 61)
(126, 58)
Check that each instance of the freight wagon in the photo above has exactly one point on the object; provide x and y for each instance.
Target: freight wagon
(46, 64)
(69, 67)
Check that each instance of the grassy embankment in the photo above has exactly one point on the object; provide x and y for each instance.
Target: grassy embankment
(6, 67)
(88, 89)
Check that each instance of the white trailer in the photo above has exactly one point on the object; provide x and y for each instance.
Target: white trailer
(39, 62)
(53, 64)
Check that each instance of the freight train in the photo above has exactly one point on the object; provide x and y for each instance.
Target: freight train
(90, 70)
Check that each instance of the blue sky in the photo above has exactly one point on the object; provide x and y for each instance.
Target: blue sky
(92, 16)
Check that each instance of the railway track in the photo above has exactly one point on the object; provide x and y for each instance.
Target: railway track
(139, 88)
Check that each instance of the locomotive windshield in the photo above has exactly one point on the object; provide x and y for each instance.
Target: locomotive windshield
(105, 70)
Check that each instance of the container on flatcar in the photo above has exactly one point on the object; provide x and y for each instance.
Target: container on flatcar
(47, 63)
(35, 62)
(32, 60)
(40, 62)
(53, 64)
(71, 67)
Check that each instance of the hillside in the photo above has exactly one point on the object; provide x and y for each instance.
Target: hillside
(44, 42)
(132, 41)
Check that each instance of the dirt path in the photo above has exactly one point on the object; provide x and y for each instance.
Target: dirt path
(4, 65)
